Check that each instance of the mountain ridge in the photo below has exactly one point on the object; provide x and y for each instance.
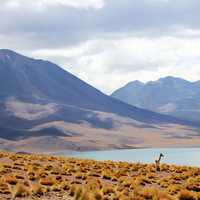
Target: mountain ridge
(41, 100)
(43, 91)
(154, 95)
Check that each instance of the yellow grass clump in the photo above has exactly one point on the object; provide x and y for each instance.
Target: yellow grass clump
(20, 190)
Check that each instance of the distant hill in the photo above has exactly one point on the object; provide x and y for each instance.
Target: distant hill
(169, 95)
(43, 107)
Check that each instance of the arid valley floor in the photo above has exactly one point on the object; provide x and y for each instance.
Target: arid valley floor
(31, 176)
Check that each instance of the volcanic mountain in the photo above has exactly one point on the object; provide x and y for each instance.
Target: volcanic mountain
(43, 107)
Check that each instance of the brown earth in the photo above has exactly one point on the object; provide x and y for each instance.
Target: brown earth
(127, 133)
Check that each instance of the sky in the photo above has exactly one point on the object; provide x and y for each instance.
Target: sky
(107, 43)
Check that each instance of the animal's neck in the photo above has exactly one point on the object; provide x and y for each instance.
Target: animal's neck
(159, 158)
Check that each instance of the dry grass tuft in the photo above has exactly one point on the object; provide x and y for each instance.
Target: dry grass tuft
(20, 190)
(187, 195)
(47, 181)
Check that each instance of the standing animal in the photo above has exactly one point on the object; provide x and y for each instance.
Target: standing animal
(157, 162)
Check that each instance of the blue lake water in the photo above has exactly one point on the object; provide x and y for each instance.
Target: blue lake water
(178, 156)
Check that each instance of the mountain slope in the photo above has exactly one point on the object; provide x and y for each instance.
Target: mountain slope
(170, 95)
(44, 107)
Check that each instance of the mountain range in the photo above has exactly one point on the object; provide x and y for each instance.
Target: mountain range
(169, 95)
(45, 108)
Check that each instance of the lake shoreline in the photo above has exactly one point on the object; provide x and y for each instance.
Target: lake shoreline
(142, 155)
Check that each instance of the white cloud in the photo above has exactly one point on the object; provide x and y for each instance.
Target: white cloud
(76, 3)
(97, 4)
(109, 64)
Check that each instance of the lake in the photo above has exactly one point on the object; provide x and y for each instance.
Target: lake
(178, 156)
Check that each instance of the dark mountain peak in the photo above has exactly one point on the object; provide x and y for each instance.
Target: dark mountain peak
(9, 56)
(130, 86)
(172, 80)
(8, 52)
(15, 58)
(33, 79)
(136, 82)
(18, 63)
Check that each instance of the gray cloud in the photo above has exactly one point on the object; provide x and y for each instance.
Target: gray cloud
(58, 25)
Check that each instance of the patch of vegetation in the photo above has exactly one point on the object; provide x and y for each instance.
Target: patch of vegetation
(31, 176)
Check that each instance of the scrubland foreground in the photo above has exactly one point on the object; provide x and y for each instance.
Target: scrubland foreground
(30, 176)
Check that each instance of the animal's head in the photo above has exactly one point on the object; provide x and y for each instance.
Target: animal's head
(161, 155)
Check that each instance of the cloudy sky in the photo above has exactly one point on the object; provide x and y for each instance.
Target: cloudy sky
(107, 43)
